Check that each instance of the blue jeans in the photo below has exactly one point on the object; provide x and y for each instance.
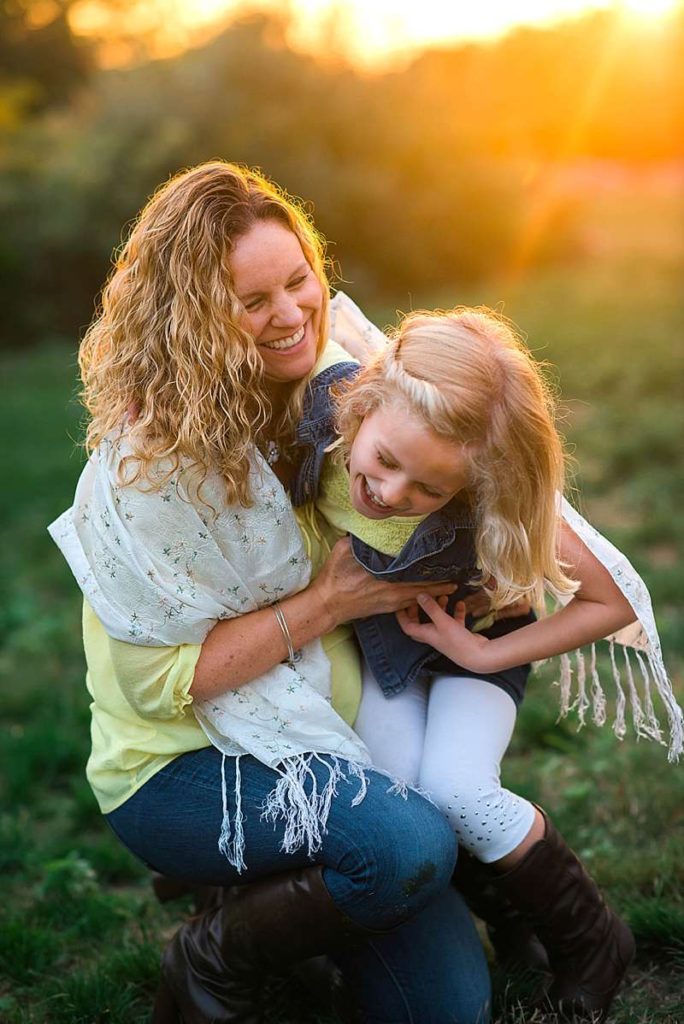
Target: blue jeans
(387, 865)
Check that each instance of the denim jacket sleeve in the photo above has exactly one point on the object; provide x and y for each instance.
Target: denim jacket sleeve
(316, 430)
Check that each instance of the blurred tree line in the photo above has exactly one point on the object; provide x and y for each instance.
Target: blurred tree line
(416, 176)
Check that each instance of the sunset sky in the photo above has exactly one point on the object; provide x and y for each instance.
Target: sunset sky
(373, 32)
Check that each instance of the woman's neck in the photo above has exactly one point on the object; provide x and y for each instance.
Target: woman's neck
(279, 396)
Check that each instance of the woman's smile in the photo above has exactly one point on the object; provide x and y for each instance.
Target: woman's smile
(282, 299)
(286, 344)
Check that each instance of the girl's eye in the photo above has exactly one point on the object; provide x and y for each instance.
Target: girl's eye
(385, 462)
(429, 492)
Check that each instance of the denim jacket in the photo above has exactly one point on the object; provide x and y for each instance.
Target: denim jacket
(441, 548)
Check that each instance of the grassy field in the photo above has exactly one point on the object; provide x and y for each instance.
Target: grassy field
(80, 934)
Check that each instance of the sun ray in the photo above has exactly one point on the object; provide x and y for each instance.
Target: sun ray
(543, 205)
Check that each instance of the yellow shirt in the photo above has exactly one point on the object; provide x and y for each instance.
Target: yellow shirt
(141, 710)
(141, 706)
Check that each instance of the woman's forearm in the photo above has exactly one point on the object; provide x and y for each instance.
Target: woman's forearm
(239, 650)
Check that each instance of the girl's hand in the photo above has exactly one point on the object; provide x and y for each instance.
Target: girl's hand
(446, 633)
(479, 605)
(346, 591)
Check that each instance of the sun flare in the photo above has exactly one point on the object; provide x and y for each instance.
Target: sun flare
(372, 32)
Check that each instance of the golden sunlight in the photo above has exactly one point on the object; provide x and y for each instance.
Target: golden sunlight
(647, 8)
(371, 32)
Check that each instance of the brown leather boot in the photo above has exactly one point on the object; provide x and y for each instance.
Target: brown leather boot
(167, 888)
(589, 947)
(510, 932)
(214, 967)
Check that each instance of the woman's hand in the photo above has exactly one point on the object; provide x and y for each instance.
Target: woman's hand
(346, 591)
(238, 650)
(446, 633)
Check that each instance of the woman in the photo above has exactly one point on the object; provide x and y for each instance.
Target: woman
(180, 535)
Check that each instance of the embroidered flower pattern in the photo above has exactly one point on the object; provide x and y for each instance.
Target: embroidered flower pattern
(161, 568)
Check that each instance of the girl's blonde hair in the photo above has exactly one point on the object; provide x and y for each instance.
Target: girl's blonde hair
(168, 340)
(472, 381)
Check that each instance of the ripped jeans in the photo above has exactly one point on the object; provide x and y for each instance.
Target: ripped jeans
(387, 864)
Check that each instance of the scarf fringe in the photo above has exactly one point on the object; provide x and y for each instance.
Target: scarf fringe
(232, 846)
(643, 714)
(305, 813)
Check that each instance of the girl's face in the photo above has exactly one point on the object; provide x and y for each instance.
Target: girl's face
(281, 298)
(399, 467)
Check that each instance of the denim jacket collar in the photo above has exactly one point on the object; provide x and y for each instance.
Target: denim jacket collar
(437, 538)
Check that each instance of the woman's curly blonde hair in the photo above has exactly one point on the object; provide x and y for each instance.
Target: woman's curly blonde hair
(168, 342)
(470, 378)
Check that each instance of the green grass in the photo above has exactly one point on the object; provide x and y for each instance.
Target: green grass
(80, 934)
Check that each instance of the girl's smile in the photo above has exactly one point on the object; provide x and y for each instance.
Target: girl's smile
(398, 466)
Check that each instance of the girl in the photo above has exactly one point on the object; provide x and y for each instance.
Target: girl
(450, 467)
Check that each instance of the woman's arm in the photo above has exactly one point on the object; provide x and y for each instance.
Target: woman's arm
(238, 650)
(597, 609)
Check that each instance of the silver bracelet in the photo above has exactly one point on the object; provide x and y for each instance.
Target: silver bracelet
(282, 622)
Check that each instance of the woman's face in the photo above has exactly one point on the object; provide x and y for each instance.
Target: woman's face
(281, 298)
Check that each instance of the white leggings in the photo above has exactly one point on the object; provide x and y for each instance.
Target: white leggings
(447, 736)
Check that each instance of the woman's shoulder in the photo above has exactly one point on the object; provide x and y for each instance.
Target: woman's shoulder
(332, 355)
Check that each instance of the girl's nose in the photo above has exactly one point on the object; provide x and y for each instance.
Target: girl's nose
(394, 493)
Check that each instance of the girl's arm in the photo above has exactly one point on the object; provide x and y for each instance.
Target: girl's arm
(597, 609)
(238, 650)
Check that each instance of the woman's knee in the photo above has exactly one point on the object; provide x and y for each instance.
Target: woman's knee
(409, 855)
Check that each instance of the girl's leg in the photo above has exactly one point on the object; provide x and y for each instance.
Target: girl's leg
(393, 728)
(469, 727)
(384, 859)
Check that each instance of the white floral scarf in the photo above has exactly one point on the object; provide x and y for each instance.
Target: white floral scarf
(160, 569)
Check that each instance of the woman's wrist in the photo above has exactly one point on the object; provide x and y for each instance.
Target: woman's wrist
(324, 606)
(238, 650)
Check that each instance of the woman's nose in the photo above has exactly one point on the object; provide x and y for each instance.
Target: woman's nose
(286, 312)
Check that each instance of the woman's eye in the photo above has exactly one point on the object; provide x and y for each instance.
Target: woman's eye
(252, 306)
(299, 280)
(385, 462)
(429, 492)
